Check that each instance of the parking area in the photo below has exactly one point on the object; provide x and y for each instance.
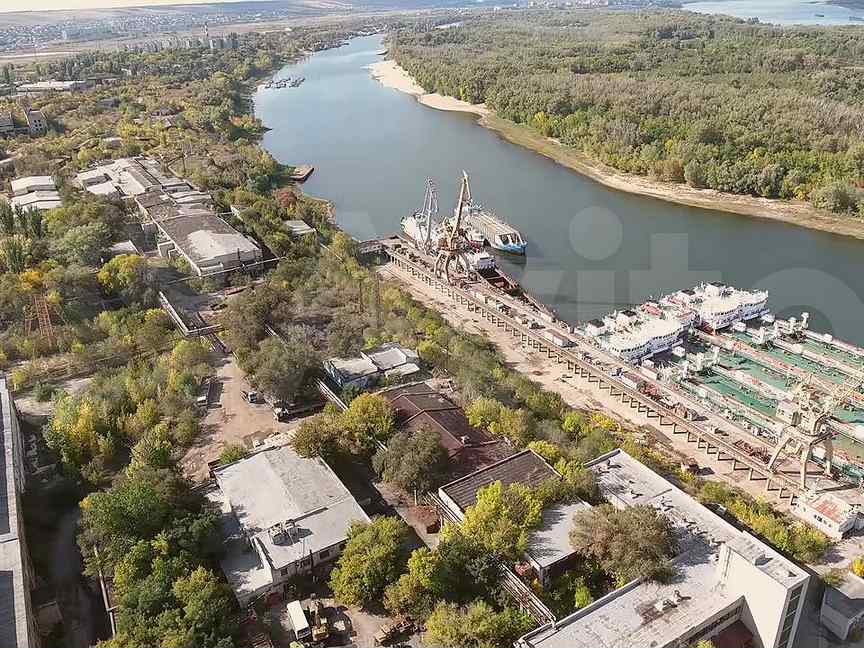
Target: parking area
(230, 419)
(348, 626)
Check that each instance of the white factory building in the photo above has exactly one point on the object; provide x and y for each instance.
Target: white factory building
(180, 216)
(728, 586)
(17, 623)
(389, 360)
(283, 515)
(35, 192)
(207, 242)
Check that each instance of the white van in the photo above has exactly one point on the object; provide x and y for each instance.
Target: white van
(299, 621)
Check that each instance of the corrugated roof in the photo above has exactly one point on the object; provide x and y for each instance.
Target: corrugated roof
(525, 468)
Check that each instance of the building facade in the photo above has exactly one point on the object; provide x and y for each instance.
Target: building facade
(727, 586)
(283, 515)
(18, 627)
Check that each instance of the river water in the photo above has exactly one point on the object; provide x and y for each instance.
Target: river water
(780, 12)
(590, 248)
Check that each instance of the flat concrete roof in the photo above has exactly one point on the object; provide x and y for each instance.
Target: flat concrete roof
(276, 486)
(353, 368)
(550, 543)
(299, 228)
(390, 356)
(27, 183)
(846, 598)
(205, 237)
(644, 613)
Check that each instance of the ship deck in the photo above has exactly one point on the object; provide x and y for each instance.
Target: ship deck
(490, 225)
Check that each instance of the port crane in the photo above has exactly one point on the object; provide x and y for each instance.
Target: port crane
(807, 416)
(453, 247)
(427, 217)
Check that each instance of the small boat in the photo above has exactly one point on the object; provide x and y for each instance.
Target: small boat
(856, 18)
(820, 15)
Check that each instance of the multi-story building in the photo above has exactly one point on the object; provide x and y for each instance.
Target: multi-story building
(7, 124)
(17, 623)
(283, 515)
(728, 586)
(36, 122)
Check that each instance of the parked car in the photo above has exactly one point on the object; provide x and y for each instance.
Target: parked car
(252, 397)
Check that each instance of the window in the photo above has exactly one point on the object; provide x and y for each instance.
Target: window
(789, 617)
(284, 571)
(323, 554)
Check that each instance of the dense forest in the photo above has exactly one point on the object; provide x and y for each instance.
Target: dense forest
(712, 101)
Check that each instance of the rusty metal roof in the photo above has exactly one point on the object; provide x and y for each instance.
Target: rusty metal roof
(525, 468)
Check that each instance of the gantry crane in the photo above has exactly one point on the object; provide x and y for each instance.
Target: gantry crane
(453, 247)
(807, 416)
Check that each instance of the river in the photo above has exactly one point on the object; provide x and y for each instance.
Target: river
(780, 12)
(590, 248)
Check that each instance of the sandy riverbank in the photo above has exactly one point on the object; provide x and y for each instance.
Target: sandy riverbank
(390, 75)
(800, 213)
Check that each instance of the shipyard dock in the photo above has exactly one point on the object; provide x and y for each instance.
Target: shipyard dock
(687, 422)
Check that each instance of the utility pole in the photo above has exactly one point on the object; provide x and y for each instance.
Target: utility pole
(377, 288)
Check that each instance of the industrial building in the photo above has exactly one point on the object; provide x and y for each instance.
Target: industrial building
(17, 622)
(7, 124)
(549, 550)
(388, 360)
(728, 586)
(38, 87)
(842, 609)
(36, 122)
(132, 177)
(207, 242)
(179, 215)
(35, 192)
(282, 516)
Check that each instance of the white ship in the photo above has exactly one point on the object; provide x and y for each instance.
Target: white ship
(422, 227)
(490, 230)
(719, 306)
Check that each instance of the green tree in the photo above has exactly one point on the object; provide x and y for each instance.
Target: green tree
(483, 412)
(283, 368)
(83, 244)
(373, 558)
(233, 452)
(318, 436)
(573, 424)
(549, 451)
(369, 418)
(514, 424)
(14, 252)
(635, 542)
(129, 276)
(500, 520)
(413, 461)
(477, 626)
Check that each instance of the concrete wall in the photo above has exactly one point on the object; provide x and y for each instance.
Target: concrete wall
(836, 622)
(765, 598)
